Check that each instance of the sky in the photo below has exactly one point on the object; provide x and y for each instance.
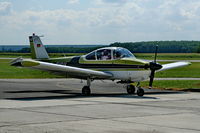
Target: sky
(98, 21)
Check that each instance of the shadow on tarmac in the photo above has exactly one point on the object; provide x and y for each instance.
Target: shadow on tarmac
(69, 94)
(39, 91)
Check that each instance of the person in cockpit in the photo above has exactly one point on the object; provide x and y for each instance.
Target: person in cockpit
(105, 55)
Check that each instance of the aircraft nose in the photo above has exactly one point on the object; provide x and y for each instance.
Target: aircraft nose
(155, 66)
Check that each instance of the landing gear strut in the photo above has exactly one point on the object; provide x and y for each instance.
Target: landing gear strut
(86, 89)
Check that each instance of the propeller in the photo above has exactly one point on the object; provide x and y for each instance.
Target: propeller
(153, 67)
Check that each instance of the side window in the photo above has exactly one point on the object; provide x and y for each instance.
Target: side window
(91, 56)
(104, 54)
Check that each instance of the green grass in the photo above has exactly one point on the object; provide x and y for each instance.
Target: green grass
(14, 55)
(169, 56)
(28, 55)
(174, 84)
(7, 72)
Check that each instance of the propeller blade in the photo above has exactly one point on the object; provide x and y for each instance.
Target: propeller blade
(156, 51)
(154, 66)
(151, 79)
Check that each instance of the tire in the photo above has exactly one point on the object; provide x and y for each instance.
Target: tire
(86, 91)
(140, 92)
(130, 89)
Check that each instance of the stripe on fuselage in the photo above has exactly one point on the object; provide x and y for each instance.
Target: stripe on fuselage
(106, 67)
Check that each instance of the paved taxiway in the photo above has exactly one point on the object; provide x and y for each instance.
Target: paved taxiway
(56, 106)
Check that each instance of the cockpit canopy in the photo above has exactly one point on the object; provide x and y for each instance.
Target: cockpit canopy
(109, 53)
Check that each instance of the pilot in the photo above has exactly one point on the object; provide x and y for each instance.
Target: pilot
(117, 55)
(105, 55)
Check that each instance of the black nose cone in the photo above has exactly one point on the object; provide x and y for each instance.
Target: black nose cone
(155, 66)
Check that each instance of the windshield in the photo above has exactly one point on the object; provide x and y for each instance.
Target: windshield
(122, 53)
(91, 56)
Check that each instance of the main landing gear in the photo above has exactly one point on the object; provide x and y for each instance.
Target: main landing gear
(86, 89)
(131, 89)
(140, 92)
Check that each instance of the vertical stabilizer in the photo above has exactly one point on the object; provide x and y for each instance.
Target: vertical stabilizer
(38, 50)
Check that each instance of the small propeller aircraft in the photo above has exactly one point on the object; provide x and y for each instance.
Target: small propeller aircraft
(109, 63)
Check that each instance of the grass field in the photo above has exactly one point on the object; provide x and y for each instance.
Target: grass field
(147, 56)
(192, 71)
(7, 72)
(169, 56)
(28, 55)
(174, 84)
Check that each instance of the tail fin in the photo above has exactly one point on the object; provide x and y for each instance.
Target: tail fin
(38, 50)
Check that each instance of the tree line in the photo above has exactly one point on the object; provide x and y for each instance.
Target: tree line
(163, 46)
(135, 47)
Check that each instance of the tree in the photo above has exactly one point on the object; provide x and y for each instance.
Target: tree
(198, 49)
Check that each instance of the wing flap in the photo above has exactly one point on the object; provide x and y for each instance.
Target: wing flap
(174, 65)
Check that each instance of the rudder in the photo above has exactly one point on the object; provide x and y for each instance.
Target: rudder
(38, 50)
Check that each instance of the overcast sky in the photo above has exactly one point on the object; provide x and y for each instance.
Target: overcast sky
(99, 21)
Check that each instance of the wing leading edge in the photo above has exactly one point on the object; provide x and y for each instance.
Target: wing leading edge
(80, 72)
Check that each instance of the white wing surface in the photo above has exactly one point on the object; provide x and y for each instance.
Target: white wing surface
(80, 72)
(174, 65)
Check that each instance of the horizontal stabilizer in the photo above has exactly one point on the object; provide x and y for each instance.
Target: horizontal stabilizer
(16, 62)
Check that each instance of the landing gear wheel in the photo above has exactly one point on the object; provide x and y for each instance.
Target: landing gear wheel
(140, 92)
(130, 89)
(86, 91)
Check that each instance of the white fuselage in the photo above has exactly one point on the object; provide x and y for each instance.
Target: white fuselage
(136, 76)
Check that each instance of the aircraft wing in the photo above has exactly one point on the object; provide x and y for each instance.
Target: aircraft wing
(174, 65)
(75, 71)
